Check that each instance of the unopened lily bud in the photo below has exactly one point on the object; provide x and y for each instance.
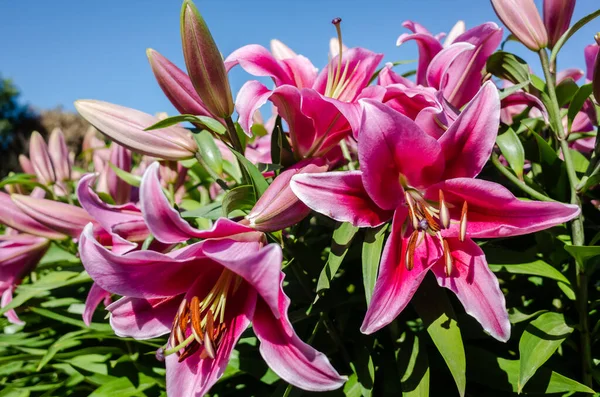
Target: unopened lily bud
(40, 159)
(279, 207)
(204, 62)
(26, 165)
(596, 77)
(12, 216)
(127, 126)
(523, 20)
(118, 189)
(64, 218)
(176, 85)
(59, 153)
(557, 18)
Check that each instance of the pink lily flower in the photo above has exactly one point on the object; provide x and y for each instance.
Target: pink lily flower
(204, 295)
(427, 187)
(19, 254)
(315, 107)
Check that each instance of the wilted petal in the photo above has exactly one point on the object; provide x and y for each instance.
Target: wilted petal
(476, 287)
(468, 143)
(293, 360)
(143, 318)
(391, 146)
(340, 196)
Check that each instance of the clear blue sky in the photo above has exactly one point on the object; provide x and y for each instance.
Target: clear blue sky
(62, 50)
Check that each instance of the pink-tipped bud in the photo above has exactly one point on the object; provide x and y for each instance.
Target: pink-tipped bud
(40, 159)
(204, 62)
(522, 18)
(176, 85)
(279, 207)
(118, 189)
(12, 216)
(64, 218)
(557, 18)
(59, 153)
(26, 165)
(19, 253)
(126, 126)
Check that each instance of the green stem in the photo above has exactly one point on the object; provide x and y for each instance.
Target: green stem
(577, 231)
(517, 182)
(233, 136)
(346, 154)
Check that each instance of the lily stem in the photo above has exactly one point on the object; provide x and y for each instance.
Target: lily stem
(577, 231)
(516, 181)
(237, 145)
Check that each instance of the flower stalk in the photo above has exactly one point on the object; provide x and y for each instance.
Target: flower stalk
(577, 231)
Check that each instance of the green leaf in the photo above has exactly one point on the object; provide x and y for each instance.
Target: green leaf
(129, 178)
(342, 238)
(258, 180)
(511, 147)
(371, 255)
(565, 91)
(503, 374)
(513, 88)
(208, 122)
(56, 254)
(572, 30)
(539, 341)
(70, 320)
(121, 387)
(585, 255)
(415, 376)
(209, 154)
(434, 308)
(239, 198)
(580, 162)
(582, 94)
(211, 211)
(508, 66)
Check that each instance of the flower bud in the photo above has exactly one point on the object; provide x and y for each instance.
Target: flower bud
(12, 216)
(596, 73)
(557, 18)
(279, 207)
(59, 153)
(176, 85)
(40, 159)
(204, 62)
(127, 126)
(64, 218)
(118, 189)
(522, 18)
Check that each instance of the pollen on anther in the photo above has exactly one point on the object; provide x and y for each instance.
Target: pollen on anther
(463, 222)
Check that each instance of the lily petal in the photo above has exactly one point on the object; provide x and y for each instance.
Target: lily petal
(251, 97)
(391, 146)
(95, 296)
(493, 211)
(428, 46)
(340, 196)
(476, 287)
(293, 360)
(143, 318)
(258, 61)
(468, 143)
(12, 216)
(395, 284)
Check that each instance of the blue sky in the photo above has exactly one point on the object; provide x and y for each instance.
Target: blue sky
(60, 51)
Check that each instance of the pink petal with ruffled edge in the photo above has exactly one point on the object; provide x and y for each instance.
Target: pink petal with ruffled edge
(143, 318)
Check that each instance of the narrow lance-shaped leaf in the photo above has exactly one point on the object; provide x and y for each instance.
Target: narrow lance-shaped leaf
(511, 147)
(371, 256)
(342, 238)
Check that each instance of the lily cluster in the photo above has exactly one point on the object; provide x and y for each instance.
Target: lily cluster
(356, 142)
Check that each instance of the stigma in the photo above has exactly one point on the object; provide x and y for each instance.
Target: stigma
(200, 324)
(338, 75)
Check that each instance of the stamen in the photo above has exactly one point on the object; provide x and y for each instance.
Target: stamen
(410, 251)
(208, 346)
(196, 320)
(448, 261)
(463, 222)
(337, 22)
(423, 224)
(160, 354)
(444, 212)
(411, 210)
